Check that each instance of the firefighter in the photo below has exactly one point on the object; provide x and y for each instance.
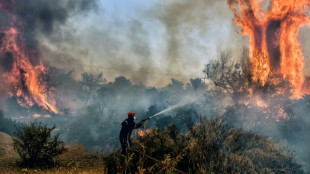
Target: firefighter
(127, 126)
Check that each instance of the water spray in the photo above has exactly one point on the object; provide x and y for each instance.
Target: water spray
(183, 103)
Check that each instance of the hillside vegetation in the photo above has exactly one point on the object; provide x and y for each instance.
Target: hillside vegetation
(210, 146)
(70, 162)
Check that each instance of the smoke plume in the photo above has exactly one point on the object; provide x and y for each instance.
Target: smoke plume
(149, 45)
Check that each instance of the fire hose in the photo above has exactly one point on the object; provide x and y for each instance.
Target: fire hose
(173, 107)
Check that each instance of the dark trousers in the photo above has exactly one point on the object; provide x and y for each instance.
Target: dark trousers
(125, 144)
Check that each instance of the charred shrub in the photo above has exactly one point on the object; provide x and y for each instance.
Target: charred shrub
(36, 146)
(209, 146)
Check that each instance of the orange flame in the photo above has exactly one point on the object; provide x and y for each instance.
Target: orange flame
(23, 78)
(274, 48)
(142, 133)
(36, 115)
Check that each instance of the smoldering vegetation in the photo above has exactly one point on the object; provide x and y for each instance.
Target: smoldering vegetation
(92, 110)
(105, 106)
(210, 146)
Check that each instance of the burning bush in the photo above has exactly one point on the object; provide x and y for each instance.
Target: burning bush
(36, 146)
(210, 146)
(155, 151)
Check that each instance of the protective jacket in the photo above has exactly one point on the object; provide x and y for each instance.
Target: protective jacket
(127, 126)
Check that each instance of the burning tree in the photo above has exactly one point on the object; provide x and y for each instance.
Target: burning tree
(23, 71)
(233, 77)
(274, 48)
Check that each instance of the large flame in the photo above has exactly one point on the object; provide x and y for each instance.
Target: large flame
(24, 77)
(274, 48)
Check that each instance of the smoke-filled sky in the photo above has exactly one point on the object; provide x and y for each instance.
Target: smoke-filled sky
(147, 41)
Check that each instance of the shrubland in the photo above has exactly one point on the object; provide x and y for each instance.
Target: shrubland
(209, 146)
(36, 146)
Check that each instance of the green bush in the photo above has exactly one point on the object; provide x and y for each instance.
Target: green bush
(36, 146)
(210, 146)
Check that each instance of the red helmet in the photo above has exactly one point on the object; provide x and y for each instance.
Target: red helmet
(131, 115)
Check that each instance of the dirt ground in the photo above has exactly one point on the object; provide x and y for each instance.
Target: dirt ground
(74, 161)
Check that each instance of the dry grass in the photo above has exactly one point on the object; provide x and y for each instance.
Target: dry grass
(74, 161)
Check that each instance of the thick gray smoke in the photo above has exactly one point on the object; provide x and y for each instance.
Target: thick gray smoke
(32, 19)
(185, 23)
(35, 17)
(149, 45)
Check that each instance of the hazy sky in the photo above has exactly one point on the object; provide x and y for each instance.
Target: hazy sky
(148, 41)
